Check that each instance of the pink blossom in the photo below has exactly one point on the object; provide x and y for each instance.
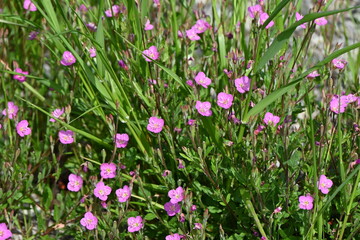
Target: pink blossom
(277, 210)
(22, 128)
(75, 183)
(191, 122)
(29, 5)
(56, 114)
(338, 105)
(324, 184)
(182, 217)
(339, 63)
(298, 17)
(198, 226)
(313, 74)
(33, 35)
(135, 224)
(203, 108)
(66, 137)
(157, 2)
(123, 194)
(306, 202)
(68, 59)
(12, 110)
(83, 8)
(176, 195)
(172, 208)
(91, 26)
(242, 84)
(190, 83)
(180, 34)
(148, 26)
(271, 119)
(151, 54)
(108, 170)
(166, 173)
(121, 140)
(123, 65)
(263, 17)
(259, 129)
(193, 208)
(102, 191)
(200, 26)
(113, 11)
(225, 100)
(192, 35)
(174, 236)
(20, 78)
(92, 52)
(155, 124)
(255, 10)
(202, 79)
(89, 221)
(5, 232)
(321, 21)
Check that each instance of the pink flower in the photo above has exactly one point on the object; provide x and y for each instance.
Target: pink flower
(202, 79)
(339, 63)
(203, 108)
(23, 129)
(254, 10)
(263, 17)
(75, 183)
(121, 140)
(174, 236)
(20, 78)
(298, 17)
(92, 52)
(338, 105)
(56, 114)
(123, 194)
(190, 83)
(108, 170)
(12, 110)
(176, 195)
(198, 226)
(306, 202)
(33, 35)
(242, 84)
(4, 232)
(313, 74)
(192, 35)
(277, 210)
(193, 208)
(172, 208)
(113, 11)
(321, 21)
(89, 221)
(29, 5)
(200, 26)
(271, 119)
(91, 26)
(135, 224)
(157, 2)
(102, 191)
(191, 122)
(83, 8)
(67, 59)
(123, 65)
(66, 137)
(324, 184)
(151, 54)
(225, 100)
(148, 26)
(155, 124)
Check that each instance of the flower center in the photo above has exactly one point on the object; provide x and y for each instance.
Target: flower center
(306, 203)
(1, 233)
(101, 192)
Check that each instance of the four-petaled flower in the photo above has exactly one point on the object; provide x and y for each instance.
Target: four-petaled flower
(313, 74)
(324, 184)
(75, 183)
(298, 17)
(174, 236)
(22, 128)
(92, 52)
(114, 11)
(121, 140)
(203, 108)
(57, 113)
(255, 10)
(4, 232)
(151, 54)
(108, 170)
(148, 26)
(192, 35)
(29, 5)
(200, 26)
(320, 21)
(339, 63)
(135, 224)
(172, 208)
(176, 195)
(12, 110)
(198, 226)
(242, 84)
(102, 191)
(306, 202)
(202, 80)
(271, 119)
(66, 137)
(20, 78)
(123, 194)
(263, 17)
(67, 59)
(155, 124)
(225, 100)
(89, 221)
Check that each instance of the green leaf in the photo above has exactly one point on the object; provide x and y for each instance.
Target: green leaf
(47, 197)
